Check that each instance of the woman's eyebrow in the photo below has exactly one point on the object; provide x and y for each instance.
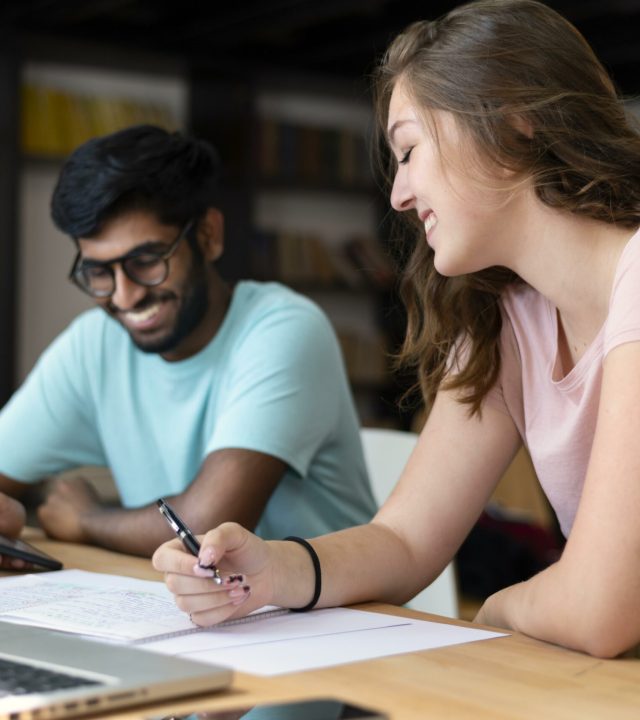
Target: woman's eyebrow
(395, 127)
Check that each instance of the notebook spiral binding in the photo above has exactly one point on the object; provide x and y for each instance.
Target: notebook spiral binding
(254, 617)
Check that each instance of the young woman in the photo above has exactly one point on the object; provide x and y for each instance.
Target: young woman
(519, 171)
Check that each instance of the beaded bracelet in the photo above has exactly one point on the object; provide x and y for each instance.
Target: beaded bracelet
(316, 569)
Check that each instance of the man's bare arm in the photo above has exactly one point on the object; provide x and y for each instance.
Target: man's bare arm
(232, 484)
(12, 488)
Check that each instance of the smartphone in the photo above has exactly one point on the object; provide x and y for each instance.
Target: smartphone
(322, 709)
(11, 547)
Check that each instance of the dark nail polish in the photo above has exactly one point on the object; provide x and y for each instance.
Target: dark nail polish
(212, 566)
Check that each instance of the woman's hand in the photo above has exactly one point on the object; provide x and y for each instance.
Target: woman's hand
(244, 561)
(488, 614)
(501, 608)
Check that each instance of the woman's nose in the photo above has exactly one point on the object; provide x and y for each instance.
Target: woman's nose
(401, 196)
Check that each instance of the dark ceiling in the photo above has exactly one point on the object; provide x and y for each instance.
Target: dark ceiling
(327, 37)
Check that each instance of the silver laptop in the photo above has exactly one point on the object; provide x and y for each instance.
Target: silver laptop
(47, 674)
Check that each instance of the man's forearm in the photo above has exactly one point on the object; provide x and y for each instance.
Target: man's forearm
(12, 488)
(137, 532)
(244, 481)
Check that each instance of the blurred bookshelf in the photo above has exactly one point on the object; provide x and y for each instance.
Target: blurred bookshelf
(318, 158)
(61, 105)
(56, 121)
(314, 214)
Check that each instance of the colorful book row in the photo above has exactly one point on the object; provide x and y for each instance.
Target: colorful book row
(54, 121)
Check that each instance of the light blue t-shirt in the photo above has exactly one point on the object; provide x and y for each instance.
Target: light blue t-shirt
(271, 380)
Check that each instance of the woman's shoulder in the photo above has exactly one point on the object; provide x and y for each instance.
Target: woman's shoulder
(623, 319)
(629, 261)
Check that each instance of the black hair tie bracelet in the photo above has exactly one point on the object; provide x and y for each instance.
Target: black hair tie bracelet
(316, 569)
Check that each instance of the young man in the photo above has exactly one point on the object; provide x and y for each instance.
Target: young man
(231, 401)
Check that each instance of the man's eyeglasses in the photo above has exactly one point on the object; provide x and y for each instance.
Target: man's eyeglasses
(144, 267)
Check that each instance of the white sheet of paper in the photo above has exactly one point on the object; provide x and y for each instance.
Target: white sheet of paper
(292, 626)
(319, 651)
(129, 610)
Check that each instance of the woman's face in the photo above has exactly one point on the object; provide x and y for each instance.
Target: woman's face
(470, 216)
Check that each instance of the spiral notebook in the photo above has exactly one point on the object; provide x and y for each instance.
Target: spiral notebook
(261, 614)
(108, 607)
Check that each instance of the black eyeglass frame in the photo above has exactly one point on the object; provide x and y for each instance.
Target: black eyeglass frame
(75, 274)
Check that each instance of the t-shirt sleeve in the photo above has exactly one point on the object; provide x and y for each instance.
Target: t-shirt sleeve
(623, 320)
(46, 427)
(285, 388)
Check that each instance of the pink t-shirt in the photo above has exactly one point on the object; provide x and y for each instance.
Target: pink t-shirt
(555, 415)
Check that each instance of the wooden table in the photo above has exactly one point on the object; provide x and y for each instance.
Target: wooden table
(510, 677)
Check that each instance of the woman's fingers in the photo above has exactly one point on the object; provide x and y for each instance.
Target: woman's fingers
(197, 603)
(191, 585)
(171, 557)
(242, 559)
(233, 547)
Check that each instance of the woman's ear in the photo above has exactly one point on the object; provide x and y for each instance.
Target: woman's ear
(211, 234)
(522, 125)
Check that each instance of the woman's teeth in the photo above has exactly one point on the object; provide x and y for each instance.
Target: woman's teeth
(430, 222)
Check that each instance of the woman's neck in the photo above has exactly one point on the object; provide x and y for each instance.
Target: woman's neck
(572, 261)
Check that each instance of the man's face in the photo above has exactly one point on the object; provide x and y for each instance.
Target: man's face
(164, 319)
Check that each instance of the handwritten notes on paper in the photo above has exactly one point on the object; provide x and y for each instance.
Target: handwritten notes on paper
(106, 606)
(123, 609)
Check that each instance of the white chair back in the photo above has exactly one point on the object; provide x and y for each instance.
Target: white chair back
(386, 453)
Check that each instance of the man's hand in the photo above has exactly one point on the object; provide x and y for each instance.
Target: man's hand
(12, 519)
(12, 516)
(232, 484)
(68, 508)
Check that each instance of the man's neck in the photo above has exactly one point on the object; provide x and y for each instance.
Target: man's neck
(219, 299)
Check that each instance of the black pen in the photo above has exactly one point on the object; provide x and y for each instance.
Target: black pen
(183, 532)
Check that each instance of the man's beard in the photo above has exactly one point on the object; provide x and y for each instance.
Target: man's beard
(195, 301)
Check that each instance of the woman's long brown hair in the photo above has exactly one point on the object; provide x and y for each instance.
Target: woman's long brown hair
(499, 66)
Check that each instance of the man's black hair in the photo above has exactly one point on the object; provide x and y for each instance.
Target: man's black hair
(168, 174)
